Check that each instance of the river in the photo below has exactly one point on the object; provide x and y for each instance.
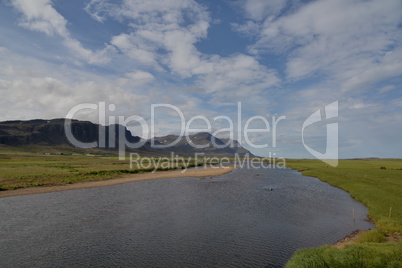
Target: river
(234, 220)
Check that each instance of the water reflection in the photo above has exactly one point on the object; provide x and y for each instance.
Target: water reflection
(228, 221)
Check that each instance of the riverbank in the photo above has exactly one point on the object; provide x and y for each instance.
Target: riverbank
(377, 183)
(349, 239)
(197, 172)
(355, 236)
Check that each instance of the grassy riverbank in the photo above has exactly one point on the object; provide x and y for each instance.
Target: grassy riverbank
(381, 191)
(22, 169)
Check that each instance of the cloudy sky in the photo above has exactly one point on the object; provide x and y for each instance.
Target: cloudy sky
(275, 57)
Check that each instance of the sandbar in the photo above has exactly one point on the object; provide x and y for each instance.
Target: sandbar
(198, 172)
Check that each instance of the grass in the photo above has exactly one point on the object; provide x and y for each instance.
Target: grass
(359, 255)
(28, 169)
(378, 189)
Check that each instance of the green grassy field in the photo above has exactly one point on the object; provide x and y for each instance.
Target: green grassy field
(381, 191)
(35, 167)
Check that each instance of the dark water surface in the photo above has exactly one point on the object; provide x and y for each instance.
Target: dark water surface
(227, 221)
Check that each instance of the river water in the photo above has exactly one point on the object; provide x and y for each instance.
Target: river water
(229, 221)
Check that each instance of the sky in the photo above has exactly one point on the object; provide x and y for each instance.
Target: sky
(211, 61)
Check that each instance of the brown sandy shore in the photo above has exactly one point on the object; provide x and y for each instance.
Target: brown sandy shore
(349, 239)
(199, 172)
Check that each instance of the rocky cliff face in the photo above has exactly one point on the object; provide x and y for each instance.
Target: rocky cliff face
(52, 132)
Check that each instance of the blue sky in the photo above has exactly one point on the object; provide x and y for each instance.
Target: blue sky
(276, 57)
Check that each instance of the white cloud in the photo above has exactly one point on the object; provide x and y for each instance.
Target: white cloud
(140, 78)
(397, 102)
(260, 9)
(338, 38)
(136, 49)
(387, 66)
(43, 17)
(164, 34)
(48, 97)
(97, 9)
(31, 88)
(250, 28)
(385, 89)
(236, 73)
(161, 34)
(93, 57)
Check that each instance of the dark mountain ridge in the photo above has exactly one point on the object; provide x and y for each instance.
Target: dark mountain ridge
(41, 132)
(52, 132)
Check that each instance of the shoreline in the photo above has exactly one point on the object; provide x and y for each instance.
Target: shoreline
(353, 236)
(349, 239)
(178, 173)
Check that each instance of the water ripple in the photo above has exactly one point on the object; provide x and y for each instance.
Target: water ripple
(230, 221)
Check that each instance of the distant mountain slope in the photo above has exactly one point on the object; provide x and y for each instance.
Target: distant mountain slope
(52, 133)
(202, 142)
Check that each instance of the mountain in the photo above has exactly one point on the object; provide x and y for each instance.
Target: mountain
(41, 132)
(52, 132)
(202, 142)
